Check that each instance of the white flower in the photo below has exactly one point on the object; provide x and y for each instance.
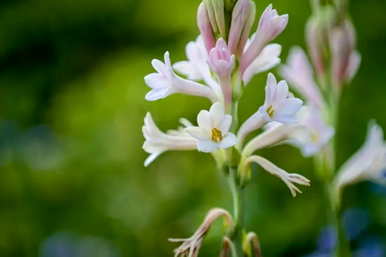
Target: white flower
(298, 72)
(279, 104)
(197, 67)
(165, 82)
(266, 60)
(288, 178)
(271, 24)
(157, 142)
(368, 163)
(313, 134)
(213, 128)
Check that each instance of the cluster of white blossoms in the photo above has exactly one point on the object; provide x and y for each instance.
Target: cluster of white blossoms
(220, 62)
(309, 80)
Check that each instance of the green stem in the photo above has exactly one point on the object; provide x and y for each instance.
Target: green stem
(236, 191)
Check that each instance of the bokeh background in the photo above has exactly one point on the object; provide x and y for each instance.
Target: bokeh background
(72, 181)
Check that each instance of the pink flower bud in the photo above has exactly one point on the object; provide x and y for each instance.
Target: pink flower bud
(345, 60)
(270, 26)
(220, 59)
(243, 17)
(315, 42)
(205, 27)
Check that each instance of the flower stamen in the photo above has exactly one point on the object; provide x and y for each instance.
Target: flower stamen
(216, 135)
(270, 111)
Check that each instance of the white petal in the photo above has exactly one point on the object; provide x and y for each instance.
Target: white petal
(157, 94)
(151, 158)
(198, 132)
(217, 113)
(266, 60)
(225, 124)
(228, 141)
(204, 120)
(207, 146)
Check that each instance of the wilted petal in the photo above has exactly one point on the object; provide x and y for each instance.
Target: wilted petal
(290, 179)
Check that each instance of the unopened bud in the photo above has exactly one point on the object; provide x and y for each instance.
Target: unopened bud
(216, 14)
(345, 59)
(271, 24)
(205, 27)
(317, 37)
(243, 17)
(220, 59)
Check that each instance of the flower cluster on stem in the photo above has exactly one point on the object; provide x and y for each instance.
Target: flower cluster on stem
(220, 63)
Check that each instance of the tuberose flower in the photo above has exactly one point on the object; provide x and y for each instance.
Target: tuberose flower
(368, 163)
(197, 67)
(313, 134)
(158, 142)
(271, 24)
(298, 72)
(165, 82)
(279, 105)
(212, 132)
(290, 179)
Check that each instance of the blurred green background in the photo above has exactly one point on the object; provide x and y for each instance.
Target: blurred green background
(72, 181)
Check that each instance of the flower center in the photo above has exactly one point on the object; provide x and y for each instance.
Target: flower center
(216, 135)
(270, 111)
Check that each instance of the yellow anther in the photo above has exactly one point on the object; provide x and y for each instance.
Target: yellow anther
(270, 111)
(216, 135)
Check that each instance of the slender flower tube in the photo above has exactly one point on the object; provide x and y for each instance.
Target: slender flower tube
(190, 247)
(290, 179)
(298, 72)
(279, 104)
(345, 59)
(313, 134)
(270, 26)
(205, 27)
(213, 128)
(243, 17)
(274, 135)
(266, 60)
(165, 82)
(158, 142)
(368, 163)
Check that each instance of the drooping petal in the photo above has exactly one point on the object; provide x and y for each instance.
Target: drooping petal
(288, 178)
